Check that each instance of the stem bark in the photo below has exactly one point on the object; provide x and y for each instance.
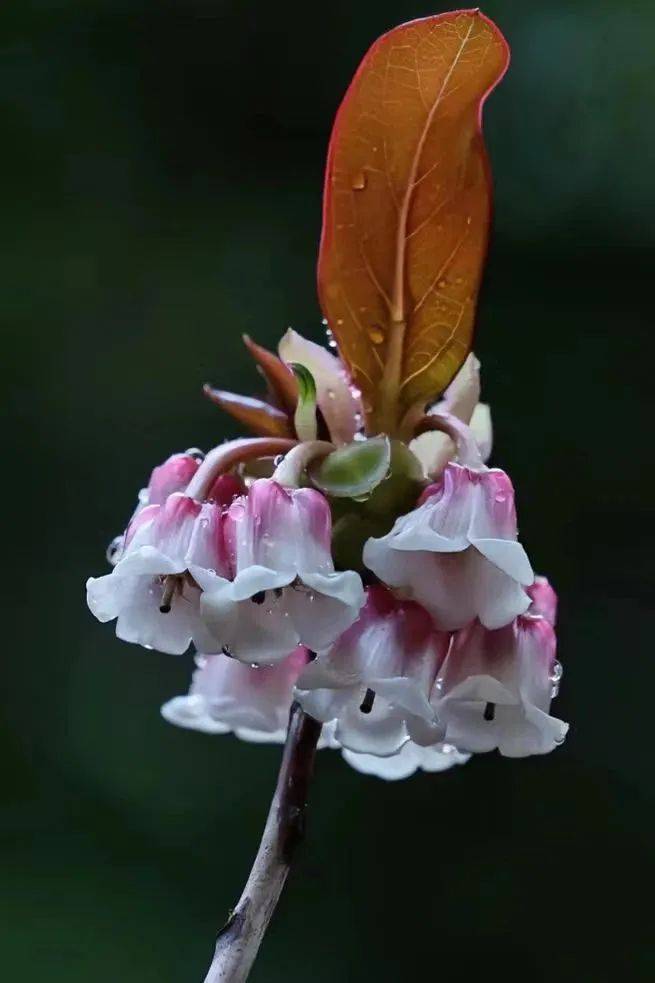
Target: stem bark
(239, 940)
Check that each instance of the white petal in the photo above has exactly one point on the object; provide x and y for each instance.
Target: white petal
(498, 597)
(508, 556)
(328, 607)
(382, 731)
(392, 768)
(191, 712)
(324, 704)
(107, 595)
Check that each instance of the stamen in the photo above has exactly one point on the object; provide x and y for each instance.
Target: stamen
(171, 583)
(225, 650)
(259, 597)
(490, 711)
(367, 703)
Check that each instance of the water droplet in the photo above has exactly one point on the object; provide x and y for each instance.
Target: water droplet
(500, 498)
(339, 321)
(114, 550)
(376, 334)
(355, 392)
(324, 321)
(555, 677)
(195, 452)
(254, 665)
(331, 394)
(359, 181)
(556, 672)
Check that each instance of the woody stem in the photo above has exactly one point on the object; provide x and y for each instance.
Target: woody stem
(239, 940)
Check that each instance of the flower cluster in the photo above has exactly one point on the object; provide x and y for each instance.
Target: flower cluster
(431, 641)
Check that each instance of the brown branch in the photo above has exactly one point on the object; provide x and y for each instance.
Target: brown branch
(238, 942)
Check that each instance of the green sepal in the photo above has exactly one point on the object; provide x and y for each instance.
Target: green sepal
(355, 470)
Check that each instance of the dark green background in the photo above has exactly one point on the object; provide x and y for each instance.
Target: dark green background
(162, 167)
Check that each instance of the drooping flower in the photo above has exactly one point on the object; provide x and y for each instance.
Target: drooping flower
(149, 592)
(227, 695)
(495, 689)
(375, 681)
(457, 553)
(282, 589)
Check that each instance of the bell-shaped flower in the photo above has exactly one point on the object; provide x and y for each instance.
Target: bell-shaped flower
(283, 589)
(376, 680)
(227, 695)
(544, 599)
(457, 553)
(409, 759)
(495, 689)
(149, 591)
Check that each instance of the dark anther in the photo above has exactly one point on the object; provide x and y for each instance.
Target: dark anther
(170, 584)
(225, 650)
(278, 592)
(490, 711)
(367, 703)
(259, 597)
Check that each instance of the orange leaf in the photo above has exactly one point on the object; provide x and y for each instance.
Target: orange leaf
(407, 208)
(253, 413)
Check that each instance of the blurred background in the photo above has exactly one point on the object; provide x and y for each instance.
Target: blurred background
(162, 168)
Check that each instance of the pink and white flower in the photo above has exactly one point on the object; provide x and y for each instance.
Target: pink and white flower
(495, 689)
(282, 589)
(375, 681)
(457, 553)
(172, 476)
(227, 695)
(149, 592)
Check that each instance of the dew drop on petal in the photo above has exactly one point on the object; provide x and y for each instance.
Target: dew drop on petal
(195, 452)
(376, 334)
(114, 550)
(359, 181)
